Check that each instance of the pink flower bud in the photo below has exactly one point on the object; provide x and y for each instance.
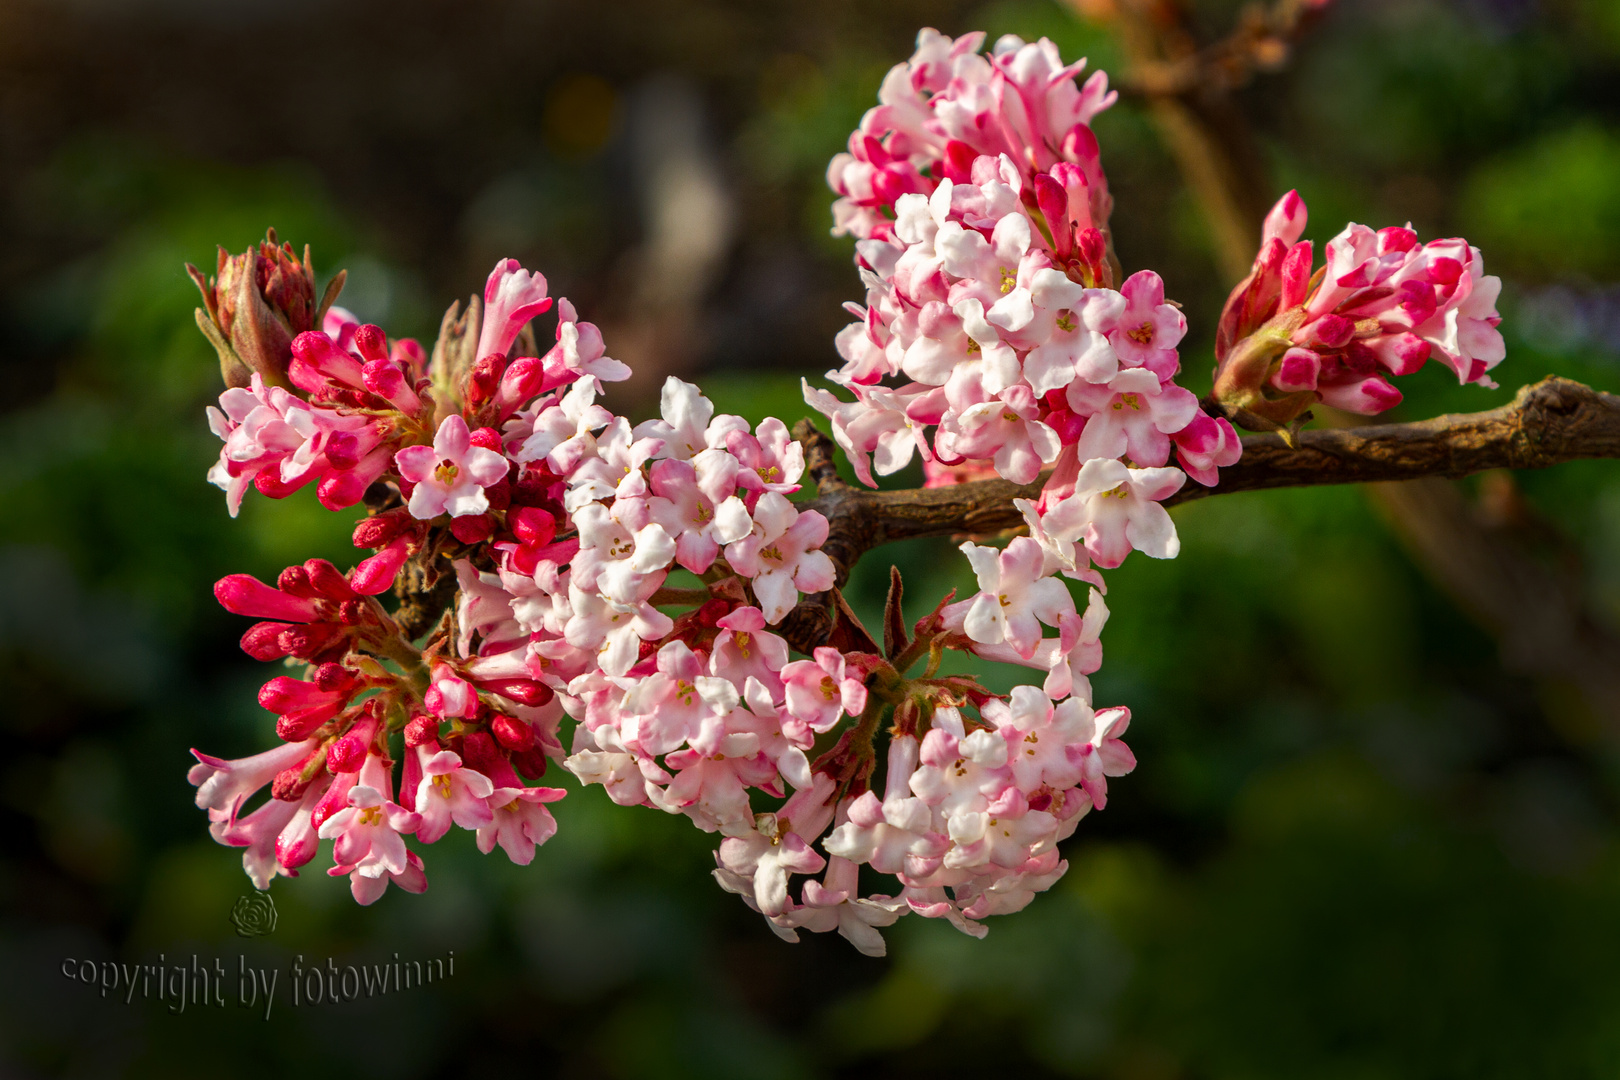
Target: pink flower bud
(523, 691)
(1286, 220)
(374, 532)
(1297, 371)
(327, 580)
(334, 678)
(487, 437)
(318, 363)
(294, 581)
(383, 378)
(1296, 275)
(371, 343)
(299, 724)
(1331, 331)
(376, 574)
(290, 784)
(263, 641)
(243, 594)
(311, 641)
(342, 449)
(520, 382)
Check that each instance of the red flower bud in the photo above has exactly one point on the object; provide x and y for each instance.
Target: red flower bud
(513, 734)
(472, 528)
(263, 641)
(532, 525)
(328, 580)
(530, 762)
(422, 730)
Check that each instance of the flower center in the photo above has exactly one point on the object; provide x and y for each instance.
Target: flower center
(1066, 323)
(1142, 335)
(973, 347)
(442, 783)
(1009, 278)
(1134, 401)
(446, 473)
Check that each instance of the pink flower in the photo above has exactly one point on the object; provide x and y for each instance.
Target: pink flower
(1103, 754)
(1132, 415)
(512, 297)
(782, 555)
(1149, 329)
(450, 792)
(1007, 430)
(451, 475)
(745, 650)
(680, 507)
(1205, 445)
(224, 785)
(1115, 509)
(560, 432)
(818, 691)
(761, 860)
(450, 696)
(612, 629)
(1015, 596)
(367, 833)
(769, 460)
(836, 904)
(669, 706)
(520, 822)
(688, 426)
(367, 889)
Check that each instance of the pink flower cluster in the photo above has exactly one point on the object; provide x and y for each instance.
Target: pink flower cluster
(637, 581)
(562, 524)
(1383, 305)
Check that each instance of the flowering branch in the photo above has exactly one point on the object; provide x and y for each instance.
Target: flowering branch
(1548, 423)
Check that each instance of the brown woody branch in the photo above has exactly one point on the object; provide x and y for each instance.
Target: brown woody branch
(1551, 422)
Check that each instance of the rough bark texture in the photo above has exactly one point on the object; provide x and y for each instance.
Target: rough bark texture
(1553, 421)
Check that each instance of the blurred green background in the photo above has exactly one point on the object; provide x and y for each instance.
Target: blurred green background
(1360, 843)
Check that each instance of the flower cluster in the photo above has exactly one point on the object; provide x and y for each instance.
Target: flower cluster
(561, 524)
(1383, 305)
(648, 583)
